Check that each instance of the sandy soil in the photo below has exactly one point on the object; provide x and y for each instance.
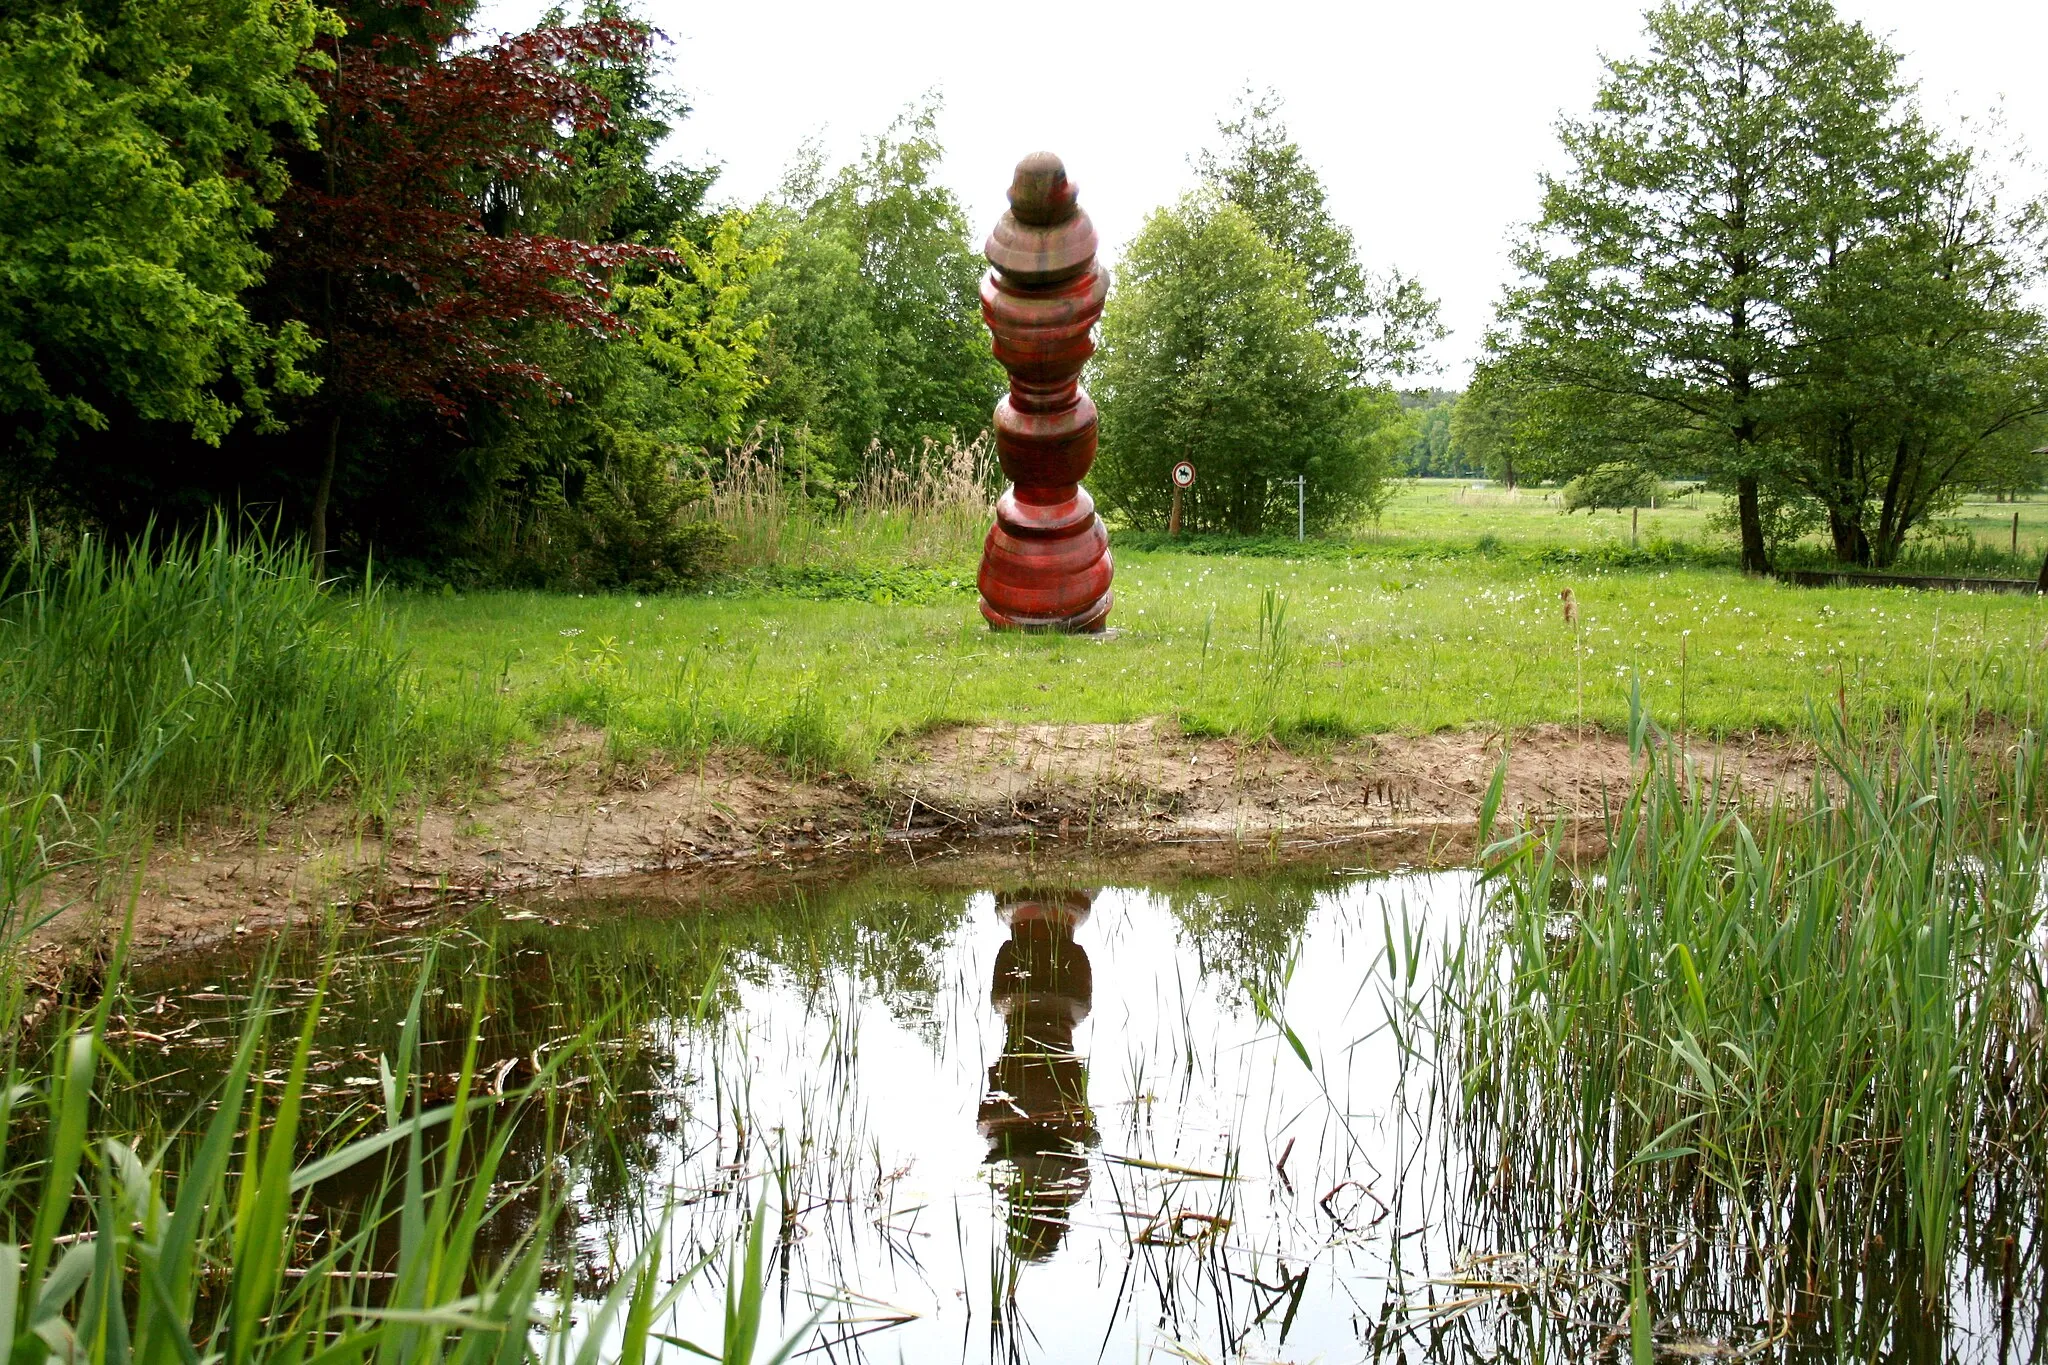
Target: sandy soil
(560, 815)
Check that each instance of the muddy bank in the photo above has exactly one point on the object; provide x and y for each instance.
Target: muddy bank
(559, 815)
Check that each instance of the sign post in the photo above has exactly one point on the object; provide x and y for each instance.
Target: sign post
(1301, 507)
(1183, 477)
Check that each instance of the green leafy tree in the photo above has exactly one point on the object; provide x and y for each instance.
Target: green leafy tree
(1426, 447)
(2015, 464)
(1485, 428)
(1520, 431)
(137, 160)
(1670, 255)
(1378, 325)
(1616, 484)
(876, 338)
(618, 190)
(694, 325)
(1211, 352)
(822, 396)
(600, 492)
(1925, 358)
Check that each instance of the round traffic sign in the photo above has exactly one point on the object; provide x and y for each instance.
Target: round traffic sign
(1183, 474)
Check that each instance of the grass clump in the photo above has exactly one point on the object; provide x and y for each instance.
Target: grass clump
(405, 1227)
(187, 675)
(1817, 1026)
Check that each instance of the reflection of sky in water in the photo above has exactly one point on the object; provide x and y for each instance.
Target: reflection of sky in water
(991, 1119)
(937, 1157)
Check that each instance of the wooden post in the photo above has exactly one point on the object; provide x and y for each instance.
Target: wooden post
(1635, 520)
(2015, 535)
(1173, 525)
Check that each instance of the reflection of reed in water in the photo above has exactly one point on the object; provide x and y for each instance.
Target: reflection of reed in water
(1035, 1114)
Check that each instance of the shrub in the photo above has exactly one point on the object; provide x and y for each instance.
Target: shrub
(1615, 484)
(633, 525)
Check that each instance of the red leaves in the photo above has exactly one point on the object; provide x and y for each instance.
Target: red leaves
(398, 243)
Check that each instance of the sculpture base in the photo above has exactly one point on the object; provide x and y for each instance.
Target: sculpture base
(1046, 563)
(1092, 620)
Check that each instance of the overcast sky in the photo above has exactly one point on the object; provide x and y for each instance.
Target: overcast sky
(1429, 122)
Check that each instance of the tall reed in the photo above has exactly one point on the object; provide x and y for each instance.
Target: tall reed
(180, 675)
(206, 1244)
(933, 505)
(1822, 1019)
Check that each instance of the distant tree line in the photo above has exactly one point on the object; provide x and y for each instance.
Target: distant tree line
(433, 300)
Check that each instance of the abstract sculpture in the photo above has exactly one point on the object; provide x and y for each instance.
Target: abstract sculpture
(1035, 1112)
(1045, 565)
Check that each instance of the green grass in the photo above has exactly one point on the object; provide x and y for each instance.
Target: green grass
(1446, 613)
(1365, 644)
(203, 1239)
(143, 687)
(1450, 516)
(146, 688)
(1457, 512)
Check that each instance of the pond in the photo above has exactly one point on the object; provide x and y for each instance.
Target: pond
(1193, 1117)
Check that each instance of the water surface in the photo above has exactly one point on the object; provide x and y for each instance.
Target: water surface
(1209, 1119)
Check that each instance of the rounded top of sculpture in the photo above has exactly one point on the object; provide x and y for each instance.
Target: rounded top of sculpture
(1045, 237)
(1040, 193)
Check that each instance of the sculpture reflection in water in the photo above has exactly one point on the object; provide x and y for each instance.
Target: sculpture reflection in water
(1035, 1112)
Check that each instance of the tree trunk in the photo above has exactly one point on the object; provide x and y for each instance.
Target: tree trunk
(1895, 515)
(1852, 546)
(316, 529)
(1509, 466)
(1749, 510)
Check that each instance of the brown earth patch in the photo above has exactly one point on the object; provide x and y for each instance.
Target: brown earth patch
(560, 814)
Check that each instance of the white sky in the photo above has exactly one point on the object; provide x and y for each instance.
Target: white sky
(1427, 122)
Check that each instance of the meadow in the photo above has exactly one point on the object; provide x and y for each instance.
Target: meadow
(833, 640)
(209, 679)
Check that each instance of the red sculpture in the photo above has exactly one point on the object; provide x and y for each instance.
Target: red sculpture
(1045, 565)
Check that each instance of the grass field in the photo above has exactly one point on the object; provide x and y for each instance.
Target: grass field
(1458, 512)
(1299, 646)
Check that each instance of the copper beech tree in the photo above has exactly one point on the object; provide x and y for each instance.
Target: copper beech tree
(399, 243)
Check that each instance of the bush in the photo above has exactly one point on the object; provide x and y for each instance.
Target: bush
(632, 527)
(1616, 484)
(1211, 352)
